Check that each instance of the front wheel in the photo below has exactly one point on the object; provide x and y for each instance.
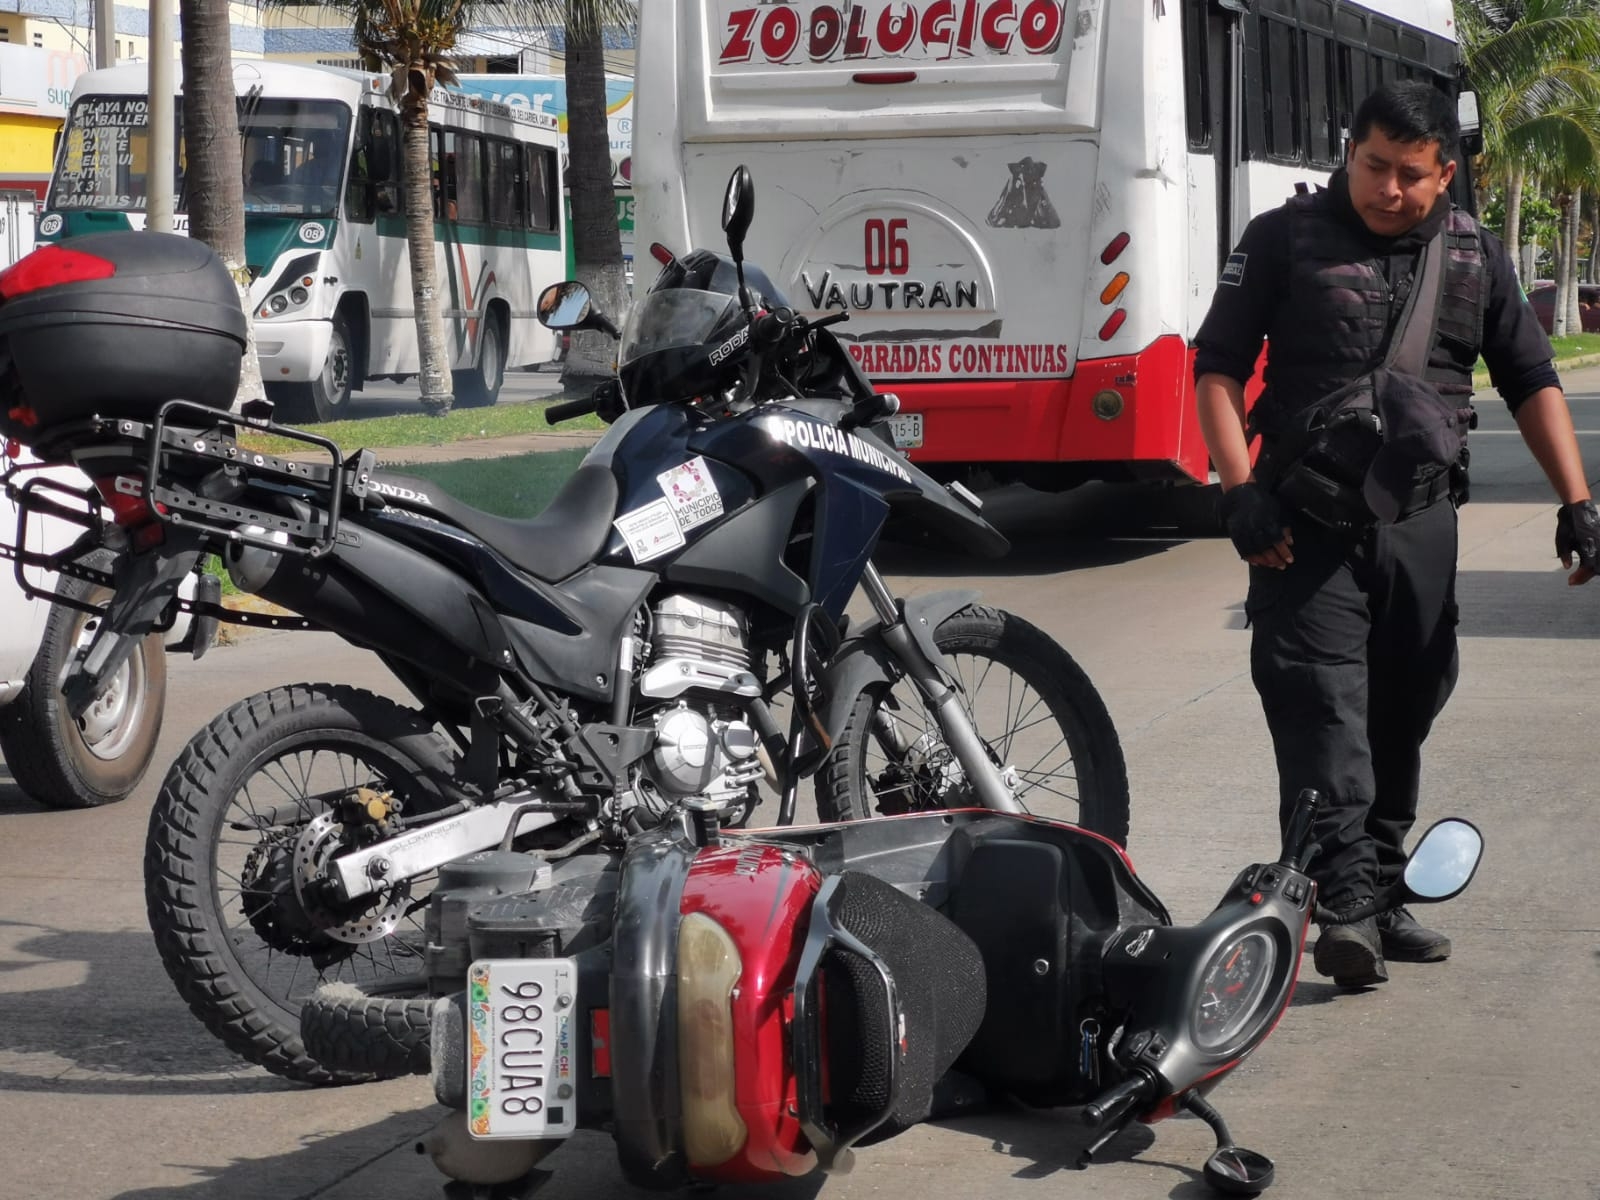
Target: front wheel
(328, 397)
(1043, 723)
(248, 815)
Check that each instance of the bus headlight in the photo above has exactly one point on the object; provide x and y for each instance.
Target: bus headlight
(708, 971)
(278, 303)
(298, 295)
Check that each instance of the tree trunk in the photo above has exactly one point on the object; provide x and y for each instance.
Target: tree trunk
(213, 175)
(433, 375)
(596, 241)
(1590, 275)
(1513, 229)
(1574, 222)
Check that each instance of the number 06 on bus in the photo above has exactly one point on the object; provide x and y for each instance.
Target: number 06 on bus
(520, 1077)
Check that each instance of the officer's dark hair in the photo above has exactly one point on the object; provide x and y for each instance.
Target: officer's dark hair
(1410, 110)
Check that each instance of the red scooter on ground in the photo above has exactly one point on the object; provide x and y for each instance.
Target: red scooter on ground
(745, 1006)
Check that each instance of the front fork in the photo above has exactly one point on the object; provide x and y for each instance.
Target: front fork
(930, 678)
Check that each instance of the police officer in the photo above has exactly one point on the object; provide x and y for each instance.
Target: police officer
(1353, 645)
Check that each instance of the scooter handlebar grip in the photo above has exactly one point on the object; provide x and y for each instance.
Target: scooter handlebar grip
(1111, 1105)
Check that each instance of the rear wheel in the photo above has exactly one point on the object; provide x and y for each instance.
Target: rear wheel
(253, 807)
(479, 387)
(100, 757)
(329, 396)
(1041, 719)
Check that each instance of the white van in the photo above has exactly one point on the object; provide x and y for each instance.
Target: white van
(100, 757)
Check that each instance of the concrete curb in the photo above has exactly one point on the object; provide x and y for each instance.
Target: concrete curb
(1480, 379)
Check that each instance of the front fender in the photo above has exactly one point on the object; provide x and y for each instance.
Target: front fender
(864, 660)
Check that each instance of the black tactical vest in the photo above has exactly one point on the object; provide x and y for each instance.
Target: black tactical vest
(1335, 321)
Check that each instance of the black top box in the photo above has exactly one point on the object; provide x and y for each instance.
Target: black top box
(115, 325)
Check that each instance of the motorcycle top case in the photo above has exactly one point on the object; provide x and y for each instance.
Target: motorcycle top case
(115, 325)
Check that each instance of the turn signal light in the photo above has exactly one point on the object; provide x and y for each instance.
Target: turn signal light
(51, 267)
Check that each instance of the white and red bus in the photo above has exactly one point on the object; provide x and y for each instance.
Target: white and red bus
(1023, 204)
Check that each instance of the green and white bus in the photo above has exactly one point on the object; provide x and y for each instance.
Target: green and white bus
(324, 228)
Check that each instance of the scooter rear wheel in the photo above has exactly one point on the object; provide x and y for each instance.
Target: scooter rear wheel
(1034, 708)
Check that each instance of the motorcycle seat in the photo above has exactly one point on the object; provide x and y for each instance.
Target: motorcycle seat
(568, 535)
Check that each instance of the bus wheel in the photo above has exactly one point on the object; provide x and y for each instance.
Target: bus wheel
(328, 396)
(480, 386)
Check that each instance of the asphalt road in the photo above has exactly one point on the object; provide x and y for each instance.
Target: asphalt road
(1461, 1080)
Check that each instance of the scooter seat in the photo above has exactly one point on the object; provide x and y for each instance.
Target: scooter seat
(567, 536)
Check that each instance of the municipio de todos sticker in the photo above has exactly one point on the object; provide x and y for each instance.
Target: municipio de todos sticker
(692, 493)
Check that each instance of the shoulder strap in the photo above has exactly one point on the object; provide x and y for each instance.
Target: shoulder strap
(1412, 336)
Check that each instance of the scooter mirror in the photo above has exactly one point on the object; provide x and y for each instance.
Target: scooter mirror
(1235, 1171)
(1444, 861)
(738, 209)
(564, 305)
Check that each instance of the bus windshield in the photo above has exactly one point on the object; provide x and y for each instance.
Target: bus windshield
(294, 155)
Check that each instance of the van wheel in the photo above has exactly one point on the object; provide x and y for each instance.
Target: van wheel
(480, 386)
(100, 757)
(327, 397)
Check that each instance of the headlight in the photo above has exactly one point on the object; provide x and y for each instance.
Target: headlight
(278, 304)
(298, 295)
(708, 971)
(1231, 989)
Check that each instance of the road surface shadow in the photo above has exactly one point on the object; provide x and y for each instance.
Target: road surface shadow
(95, 1014)
(1046, 1140)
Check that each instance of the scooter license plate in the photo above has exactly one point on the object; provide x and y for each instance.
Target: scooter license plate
(905, 429)
(520, 1055)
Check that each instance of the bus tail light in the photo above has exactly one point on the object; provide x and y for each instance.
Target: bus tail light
(882, 77)
(1113, 323)
(1114, 248)
(1116, 287)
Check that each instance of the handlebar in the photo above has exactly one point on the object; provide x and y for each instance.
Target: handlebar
(1116, 1103)
(569, 409)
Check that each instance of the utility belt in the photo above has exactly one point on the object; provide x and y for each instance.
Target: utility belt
(1324, 481)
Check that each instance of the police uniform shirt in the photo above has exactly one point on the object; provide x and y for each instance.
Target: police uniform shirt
(1251, 299)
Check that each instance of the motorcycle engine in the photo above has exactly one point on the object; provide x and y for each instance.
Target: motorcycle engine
(698, 671)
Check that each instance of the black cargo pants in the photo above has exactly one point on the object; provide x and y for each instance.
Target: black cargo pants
(1354, 655)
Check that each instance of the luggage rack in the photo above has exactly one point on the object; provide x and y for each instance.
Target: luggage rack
(182, 430)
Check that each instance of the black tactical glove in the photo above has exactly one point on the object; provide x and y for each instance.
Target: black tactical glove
(1578, 533)
(1254, 518)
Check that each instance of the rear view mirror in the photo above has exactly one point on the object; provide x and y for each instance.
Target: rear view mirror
(1444, 861)
(564, 305)
(738, 209)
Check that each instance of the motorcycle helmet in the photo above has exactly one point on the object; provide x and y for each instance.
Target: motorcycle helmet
(677, 341)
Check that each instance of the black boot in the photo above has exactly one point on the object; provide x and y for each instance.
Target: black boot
(1405, 941)
(1351, 955)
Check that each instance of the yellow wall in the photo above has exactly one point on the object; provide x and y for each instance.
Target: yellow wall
(27, 144)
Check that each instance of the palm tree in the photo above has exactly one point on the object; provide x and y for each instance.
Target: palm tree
(1536, 67)
(597, 243)
(213, 175)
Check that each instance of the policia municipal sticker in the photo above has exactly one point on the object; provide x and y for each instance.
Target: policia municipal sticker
(813, 435)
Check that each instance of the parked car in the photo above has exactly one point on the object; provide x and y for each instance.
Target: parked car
(101, 756)
(1543, 298)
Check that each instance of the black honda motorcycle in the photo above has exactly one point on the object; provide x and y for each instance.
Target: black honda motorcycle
(670, 636)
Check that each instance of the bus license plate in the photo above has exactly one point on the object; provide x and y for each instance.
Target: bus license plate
(520, 1055)
(905, 429)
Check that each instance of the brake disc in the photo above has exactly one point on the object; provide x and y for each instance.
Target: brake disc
(313, 850)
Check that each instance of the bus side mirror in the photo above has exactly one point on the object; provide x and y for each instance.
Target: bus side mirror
(1471, 123)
